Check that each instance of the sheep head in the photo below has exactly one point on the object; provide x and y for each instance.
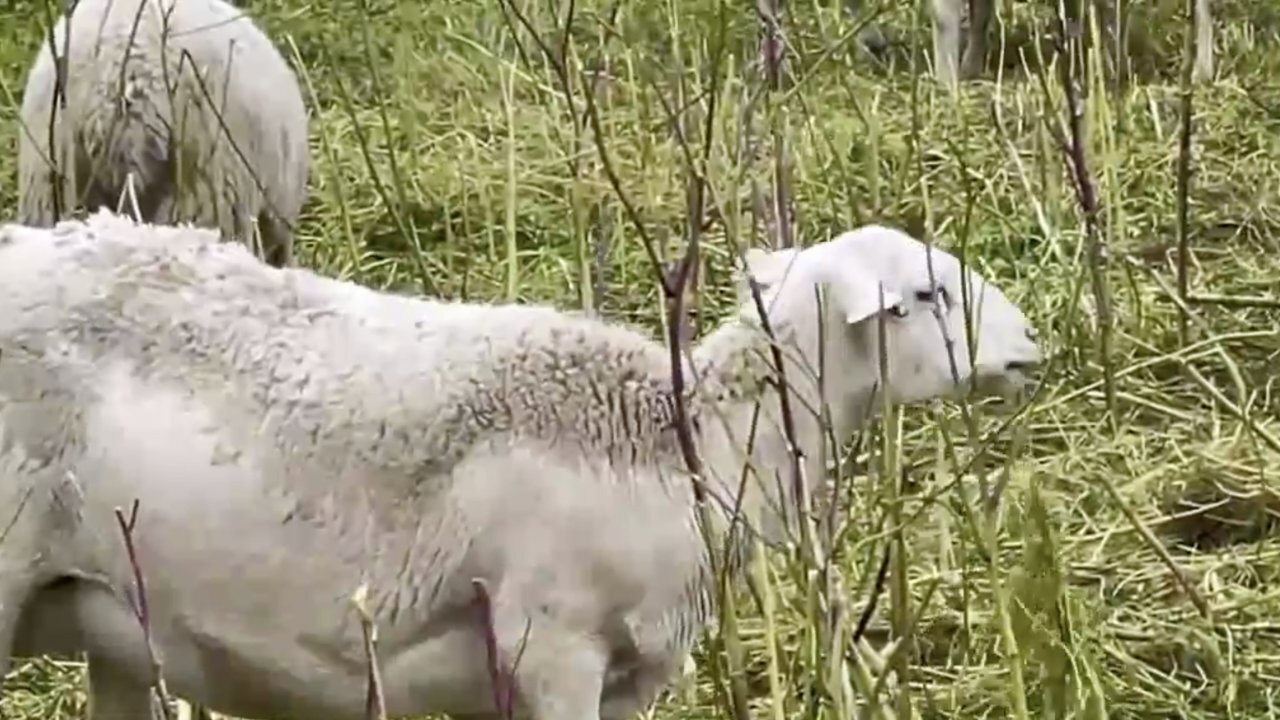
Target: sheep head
(875, 270)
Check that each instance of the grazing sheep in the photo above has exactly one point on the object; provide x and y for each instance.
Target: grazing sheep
(948, 17)
(290, 437)
(189, 98)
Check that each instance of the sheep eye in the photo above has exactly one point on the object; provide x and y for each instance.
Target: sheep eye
(932, 295)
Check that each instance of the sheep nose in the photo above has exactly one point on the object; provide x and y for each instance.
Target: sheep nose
(1022, 366)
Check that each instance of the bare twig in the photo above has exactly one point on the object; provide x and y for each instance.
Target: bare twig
(679, 289)
(503, 681)
(668, 285)
(375, 703)
(773, 59)
(17, 513)
(877, 587)
(141, 610)
(672, 285)
(1075, 151)
(394, 209)
(57, 178)
(633, 214)
(1186, 93)
(592, 269)
(684, 431)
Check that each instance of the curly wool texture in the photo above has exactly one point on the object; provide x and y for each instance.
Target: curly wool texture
(331, 366)
(190, 98)
(329, 374)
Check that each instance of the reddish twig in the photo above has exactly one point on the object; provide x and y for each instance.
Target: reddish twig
(1076, 153)
(676, 317)
(504, 688)
(1184, 169)
(141, 609)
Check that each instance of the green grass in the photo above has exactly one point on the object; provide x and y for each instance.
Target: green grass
(445, 164)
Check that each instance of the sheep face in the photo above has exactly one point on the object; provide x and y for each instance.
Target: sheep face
(874, 269)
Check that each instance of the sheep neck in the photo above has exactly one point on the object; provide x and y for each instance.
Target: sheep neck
(737, 359)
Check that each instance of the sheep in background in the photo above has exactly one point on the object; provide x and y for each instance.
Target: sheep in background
(187, 97)
(291, 437)
(948, 16)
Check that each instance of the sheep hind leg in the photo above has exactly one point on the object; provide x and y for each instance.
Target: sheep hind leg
(20, 532)
(560, 678)
(277, 240)
(946, 39)
(11, 600)
(117, 696)
(1202, 70)
(559, 672)
(975, 52)
(640, 688)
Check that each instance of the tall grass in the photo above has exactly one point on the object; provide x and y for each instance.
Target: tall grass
(1108, 550)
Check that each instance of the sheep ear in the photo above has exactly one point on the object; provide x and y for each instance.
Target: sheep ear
(856, 294)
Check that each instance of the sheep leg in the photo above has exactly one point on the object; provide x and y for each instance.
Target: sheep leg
(277, 240)
(21, 534)
(114, 695)
(1203, 68)
(558, 671)
(12, 595)
(975, 52)
(946, 39)
(631, 696)
(562, 678)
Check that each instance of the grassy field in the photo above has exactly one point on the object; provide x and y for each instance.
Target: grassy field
(1132, 566)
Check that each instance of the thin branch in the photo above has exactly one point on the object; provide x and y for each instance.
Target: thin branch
(864, 620)
(504, 688)
(611, 173)
(375, 702)
(59, 102)
(1186, 94)
(1075, 152)
(141, 609)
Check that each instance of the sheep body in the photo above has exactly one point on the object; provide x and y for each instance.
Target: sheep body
(291, 437)
(191, 98)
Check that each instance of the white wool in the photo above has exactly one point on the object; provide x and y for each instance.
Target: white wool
(225, 148)
(291, 437)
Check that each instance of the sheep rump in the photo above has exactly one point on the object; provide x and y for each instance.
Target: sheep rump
(188, 96)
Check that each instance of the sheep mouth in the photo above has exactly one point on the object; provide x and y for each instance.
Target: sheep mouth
(1017, 379)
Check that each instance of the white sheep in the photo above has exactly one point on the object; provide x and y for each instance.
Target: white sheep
(290, 437)
(189, 98)
(948, 17)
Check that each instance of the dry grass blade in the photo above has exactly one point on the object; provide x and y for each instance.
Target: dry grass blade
(375, 705)
(141, 610)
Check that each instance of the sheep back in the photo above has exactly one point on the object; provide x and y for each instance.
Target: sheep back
(190, 97)
(328, 366)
